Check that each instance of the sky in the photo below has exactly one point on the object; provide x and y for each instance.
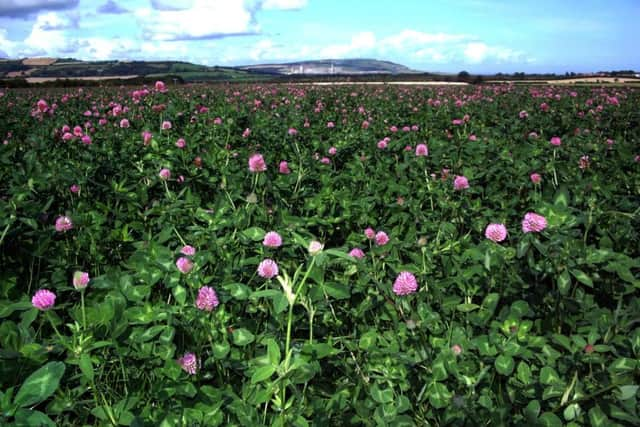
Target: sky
(478, 36)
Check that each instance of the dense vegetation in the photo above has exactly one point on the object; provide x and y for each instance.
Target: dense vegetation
(446, 256)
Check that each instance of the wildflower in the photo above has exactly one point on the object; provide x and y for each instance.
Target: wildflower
(75, 188)
(146, 137)
(63, 223)
(283, 168)
(207, 299)
(496, 232)
(381, 238)
(124, 123)
(166, 125)
(533, 222)
(405, 284)
(369, 233)
(184, 265)
(181, 143)
(332, 151)
(160, 86)
(356, 253)
(584, 162)
(325, 161)
(80, 279)
(315, 247)
(460, 183)
(164, 174)
(189, 363)
(422, 150)
(246, 133)
(272, 240)
(257, 164)
(331, 125)
(382, 144)
(523, 114)
(42, 105)
(536, 178)
(67, 136)
(86, 139)
(456, 349)
(43, 299)
(267, 268)
(188, 250)
(292, 131)
(556, 141)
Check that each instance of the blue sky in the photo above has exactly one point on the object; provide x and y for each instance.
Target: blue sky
(480, 36)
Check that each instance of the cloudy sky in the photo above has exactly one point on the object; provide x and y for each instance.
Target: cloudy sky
(431, 35)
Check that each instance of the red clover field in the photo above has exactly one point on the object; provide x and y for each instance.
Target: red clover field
(296, 255)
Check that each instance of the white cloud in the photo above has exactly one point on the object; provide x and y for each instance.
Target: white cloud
(206, 19)
(47, 34)
(7, 47)
(360, 43)
(476, 52)
(408, 38)
(284, 4)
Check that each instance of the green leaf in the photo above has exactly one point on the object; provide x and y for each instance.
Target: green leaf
(524, 373)
(438, 370)
(623, 365)
(627, 391)
(368, 339)
(337, 290)
(180, 294)
(504, 364)
(86, 367)
(237, 291)
(531, 411)
(262, 373)
(549, 419)
(597, 417)
(40, 385)
(381, 396)
(564, 283)
(220, 349)
(549, 376)
(563, 341)
(27, 417)
(254, 233)
(273, 350)
(571, 412)
(242, 337)
(466, 308)
(582, 277)
(561, 198)
(439, 395)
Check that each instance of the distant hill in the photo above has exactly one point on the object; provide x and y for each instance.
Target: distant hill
(43, 69)
(332, 67)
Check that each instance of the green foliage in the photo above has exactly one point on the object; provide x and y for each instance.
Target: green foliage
(538, 329)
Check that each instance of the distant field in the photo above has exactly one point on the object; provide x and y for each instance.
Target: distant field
(93, 78)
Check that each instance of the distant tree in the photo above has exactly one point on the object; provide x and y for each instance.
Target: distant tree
(463, 75)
